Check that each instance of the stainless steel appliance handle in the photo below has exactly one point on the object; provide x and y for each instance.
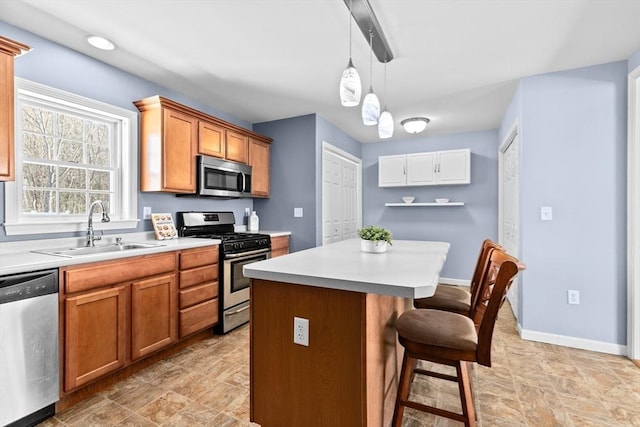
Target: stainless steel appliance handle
(240, 310)
(244, 183)
(247, 254)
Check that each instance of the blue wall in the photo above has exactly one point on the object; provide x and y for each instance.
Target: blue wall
(464, 227)
(573, 158)
(292, 179)
(56, 66)
(634, 61)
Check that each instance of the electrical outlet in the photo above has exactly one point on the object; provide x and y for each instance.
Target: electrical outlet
(546, 213)
(573, 297)
(301, 331)
(297, 213)
(146, 212)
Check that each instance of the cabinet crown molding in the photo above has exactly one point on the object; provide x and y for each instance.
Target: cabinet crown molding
(158, 101)
(12, 47)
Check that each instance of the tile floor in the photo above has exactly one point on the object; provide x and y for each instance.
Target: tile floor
(530, 384)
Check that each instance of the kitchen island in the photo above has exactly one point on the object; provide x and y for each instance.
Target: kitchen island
(347, 375)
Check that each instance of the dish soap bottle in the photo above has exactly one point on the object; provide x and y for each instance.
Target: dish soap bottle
(254, 222)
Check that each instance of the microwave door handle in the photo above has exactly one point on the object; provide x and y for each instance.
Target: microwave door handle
(244, 183)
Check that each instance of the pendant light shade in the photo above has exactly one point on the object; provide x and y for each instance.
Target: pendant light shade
(370, 109)
(385, 125)
(385, 122)
(350, 85)
(370, 105)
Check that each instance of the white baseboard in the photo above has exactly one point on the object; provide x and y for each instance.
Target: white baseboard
(566, 341)
(457, 282)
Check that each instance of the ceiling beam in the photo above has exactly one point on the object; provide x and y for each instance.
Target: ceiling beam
(366, 20)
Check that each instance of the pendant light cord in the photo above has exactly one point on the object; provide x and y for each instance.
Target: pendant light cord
(350, 19)
(371, 59)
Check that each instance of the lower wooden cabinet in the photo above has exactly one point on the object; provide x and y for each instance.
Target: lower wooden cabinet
(153, 315)
(114, 313)
(279, 246)
(95, 335)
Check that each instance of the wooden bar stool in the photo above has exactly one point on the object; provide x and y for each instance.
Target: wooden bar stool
(454, 298)
(453, 339)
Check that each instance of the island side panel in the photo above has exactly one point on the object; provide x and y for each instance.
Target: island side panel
(383, 356)
(319, 385)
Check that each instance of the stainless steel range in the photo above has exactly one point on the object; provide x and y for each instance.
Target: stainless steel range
(236, 251)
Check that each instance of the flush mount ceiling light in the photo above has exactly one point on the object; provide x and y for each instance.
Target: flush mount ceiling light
(101, 43)
(350, 85)
(415, 124)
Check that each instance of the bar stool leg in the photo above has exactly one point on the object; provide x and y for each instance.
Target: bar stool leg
(406, 375)
(466, 397)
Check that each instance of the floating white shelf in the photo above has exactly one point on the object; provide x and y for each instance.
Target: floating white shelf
(426, 204)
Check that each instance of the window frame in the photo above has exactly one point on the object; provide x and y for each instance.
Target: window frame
(127, 153)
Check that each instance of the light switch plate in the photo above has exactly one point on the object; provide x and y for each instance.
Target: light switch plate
(297, 212)
(546, 213)
(146, 212)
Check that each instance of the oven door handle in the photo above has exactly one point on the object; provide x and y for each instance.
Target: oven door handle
(247, 254)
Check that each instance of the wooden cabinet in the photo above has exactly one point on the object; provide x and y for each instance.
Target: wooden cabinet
(211, 139)
(279, 246)
(115, 312)
(95, 335)
(432, 168)
(153, 314)
(237, 147)
(198, 294)
(259, 159)
(9, 49)
(168, 144)
(172, 135)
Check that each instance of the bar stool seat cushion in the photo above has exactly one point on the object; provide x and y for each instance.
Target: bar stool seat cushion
(448, 298)
(439, 333)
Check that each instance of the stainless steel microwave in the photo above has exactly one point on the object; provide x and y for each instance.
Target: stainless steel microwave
(223, 178)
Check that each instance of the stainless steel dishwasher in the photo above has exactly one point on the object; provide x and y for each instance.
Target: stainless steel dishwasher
(29, 384)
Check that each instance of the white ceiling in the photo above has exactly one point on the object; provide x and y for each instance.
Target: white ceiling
(455, 61)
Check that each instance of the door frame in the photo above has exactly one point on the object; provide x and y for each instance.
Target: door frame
(327, 147)
(510, 136)
(633, 217)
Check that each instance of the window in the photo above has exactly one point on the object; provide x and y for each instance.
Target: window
(70, 151)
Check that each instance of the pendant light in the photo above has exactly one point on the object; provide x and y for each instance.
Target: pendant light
(385, 122)
(370, 105)
(350, 85)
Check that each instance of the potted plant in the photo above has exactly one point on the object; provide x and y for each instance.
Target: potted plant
(374, 239)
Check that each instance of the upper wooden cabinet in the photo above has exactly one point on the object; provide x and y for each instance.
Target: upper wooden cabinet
(9, 49)
(211, 139)
(168, 139)
(173, 134)
(259, 161)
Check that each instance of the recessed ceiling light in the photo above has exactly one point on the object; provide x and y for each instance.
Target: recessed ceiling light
(101, 43)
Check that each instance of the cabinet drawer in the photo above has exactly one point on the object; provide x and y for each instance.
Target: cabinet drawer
(198, 275)
(96, 275)
(198, 317)
(198, 294)
(191, 258)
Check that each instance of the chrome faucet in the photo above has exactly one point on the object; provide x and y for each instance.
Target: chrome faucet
(91, 238)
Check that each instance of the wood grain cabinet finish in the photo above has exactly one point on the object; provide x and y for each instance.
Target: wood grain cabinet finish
(237, 147)
(211, 139)
(259, 158)
(9, 49)
(173, 134)
(114, 312)
(198, 294)
(95, 335)
(279, 246)
(153, 315)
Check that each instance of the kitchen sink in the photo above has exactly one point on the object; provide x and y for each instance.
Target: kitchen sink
(91, 250)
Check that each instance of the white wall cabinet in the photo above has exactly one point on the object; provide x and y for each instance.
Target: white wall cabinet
(433, 168)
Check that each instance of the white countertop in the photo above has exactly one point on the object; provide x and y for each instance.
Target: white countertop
(409, 269)
(16, 257)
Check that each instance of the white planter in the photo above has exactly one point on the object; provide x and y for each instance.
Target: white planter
(376, 247)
